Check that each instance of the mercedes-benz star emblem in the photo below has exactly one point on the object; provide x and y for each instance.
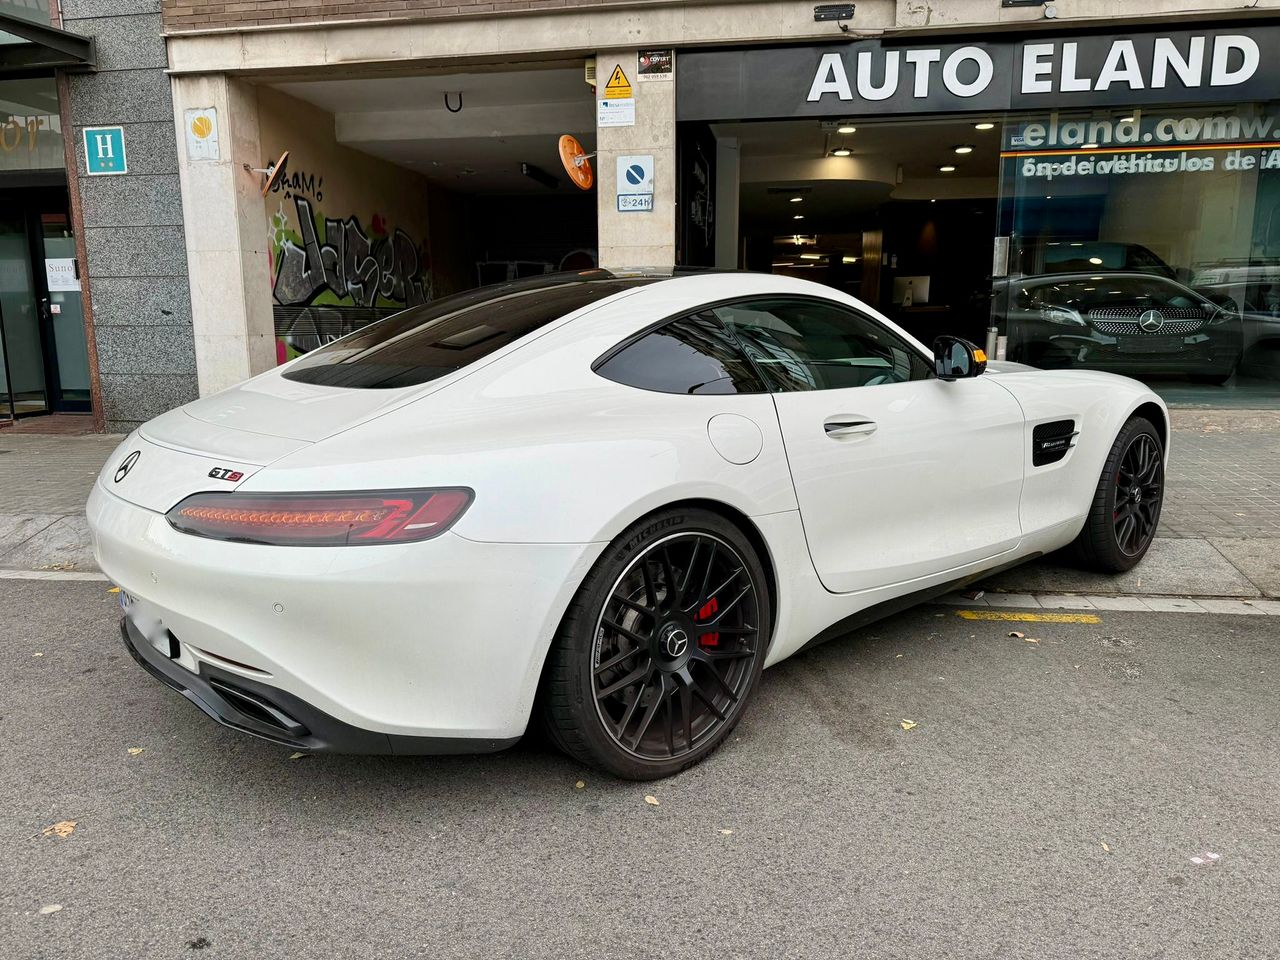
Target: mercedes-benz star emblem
(126, 465)
(676, 641)
(1151, 321)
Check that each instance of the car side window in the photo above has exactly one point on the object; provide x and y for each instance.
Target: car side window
(694, 354)
(809, 345)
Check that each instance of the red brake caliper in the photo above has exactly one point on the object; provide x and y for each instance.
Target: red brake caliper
(706, 613)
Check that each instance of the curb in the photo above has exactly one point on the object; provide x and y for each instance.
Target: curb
(1114, 602)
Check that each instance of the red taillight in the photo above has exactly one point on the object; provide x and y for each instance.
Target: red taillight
(321, 520)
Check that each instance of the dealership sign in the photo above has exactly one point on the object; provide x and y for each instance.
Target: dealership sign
(880, 77)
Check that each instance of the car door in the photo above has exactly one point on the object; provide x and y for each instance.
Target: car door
(898, 475)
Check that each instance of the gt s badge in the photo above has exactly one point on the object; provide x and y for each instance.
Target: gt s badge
(222, 473)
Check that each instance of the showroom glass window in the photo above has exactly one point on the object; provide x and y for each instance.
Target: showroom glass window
(1144, 241)
(802, 344)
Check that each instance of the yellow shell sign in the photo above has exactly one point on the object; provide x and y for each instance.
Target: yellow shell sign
(202, 133)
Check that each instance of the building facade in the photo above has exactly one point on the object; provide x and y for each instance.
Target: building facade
(95, 298)
(1074, 183)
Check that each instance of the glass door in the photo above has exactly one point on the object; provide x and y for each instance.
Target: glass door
(22, 379)
(44, 360)
(62, 311)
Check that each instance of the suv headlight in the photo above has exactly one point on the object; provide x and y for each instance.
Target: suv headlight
(1222, 315)
(1062, 316)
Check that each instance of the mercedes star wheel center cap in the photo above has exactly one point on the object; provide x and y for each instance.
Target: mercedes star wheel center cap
(674, 641)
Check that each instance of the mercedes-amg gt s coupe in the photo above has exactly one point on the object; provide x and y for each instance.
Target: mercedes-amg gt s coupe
(601, 502)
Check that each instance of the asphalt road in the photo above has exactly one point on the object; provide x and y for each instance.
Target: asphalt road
(1048, 804)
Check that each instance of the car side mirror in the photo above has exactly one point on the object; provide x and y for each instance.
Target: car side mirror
(956, 359)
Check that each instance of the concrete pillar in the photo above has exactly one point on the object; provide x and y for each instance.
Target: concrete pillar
(226, 234)
(637, 239)
(728, 189)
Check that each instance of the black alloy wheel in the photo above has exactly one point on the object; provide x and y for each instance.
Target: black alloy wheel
(1139, 493)
(1125, 511)
(674, 646)
(662, 648)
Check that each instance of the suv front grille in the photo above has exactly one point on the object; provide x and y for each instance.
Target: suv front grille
(1133, 313)
(1130, 328)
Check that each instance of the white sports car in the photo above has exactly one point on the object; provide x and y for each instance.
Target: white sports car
(603, 501)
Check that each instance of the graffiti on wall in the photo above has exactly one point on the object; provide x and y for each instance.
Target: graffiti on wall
(347, 263)
(338, 265)
(299, 182)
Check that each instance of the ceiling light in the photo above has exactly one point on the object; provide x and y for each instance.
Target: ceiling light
(933, 199)
(984, 126)
(810, 256)
(846, 130)
(964, 148)
(1096, 261)
(796, 199)
(798, 216)
(849, 259)
(946, 168)
(842, 152)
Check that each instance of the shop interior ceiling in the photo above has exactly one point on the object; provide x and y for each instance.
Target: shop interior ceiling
(466, 131)
(840, 190)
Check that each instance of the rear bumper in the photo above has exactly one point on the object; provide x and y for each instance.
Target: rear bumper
(436, 641)
(264, 711)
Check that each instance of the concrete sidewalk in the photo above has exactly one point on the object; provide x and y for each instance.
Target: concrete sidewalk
(44, 481)
(1219, 532)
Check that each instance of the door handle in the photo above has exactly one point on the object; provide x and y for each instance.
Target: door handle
(839, 428)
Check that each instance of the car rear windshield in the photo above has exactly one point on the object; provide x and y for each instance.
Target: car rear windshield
(433, 340)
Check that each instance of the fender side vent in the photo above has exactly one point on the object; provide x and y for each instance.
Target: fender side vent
(1051, 441)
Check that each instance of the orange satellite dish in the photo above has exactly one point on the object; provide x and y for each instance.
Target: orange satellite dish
(275, 172)
(577, 162)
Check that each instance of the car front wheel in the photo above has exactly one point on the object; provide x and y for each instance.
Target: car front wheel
(1126, 504)
(662, 647)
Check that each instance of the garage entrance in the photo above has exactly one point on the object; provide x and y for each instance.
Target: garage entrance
(402, 189)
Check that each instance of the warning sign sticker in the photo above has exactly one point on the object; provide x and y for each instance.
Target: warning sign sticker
(618, 87)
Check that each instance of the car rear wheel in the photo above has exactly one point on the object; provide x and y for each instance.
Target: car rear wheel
(1126, 505)
(661, 649)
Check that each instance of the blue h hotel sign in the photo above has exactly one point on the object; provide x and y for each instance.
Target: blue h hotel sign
(104, 151)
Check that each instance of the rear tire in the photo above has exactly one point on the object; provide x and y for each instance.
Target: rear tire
(1126, 505)
(638, 684)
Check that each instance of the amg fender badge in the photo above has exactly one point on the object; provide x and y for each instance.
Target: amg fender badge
(222, 473)
(126, 465)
